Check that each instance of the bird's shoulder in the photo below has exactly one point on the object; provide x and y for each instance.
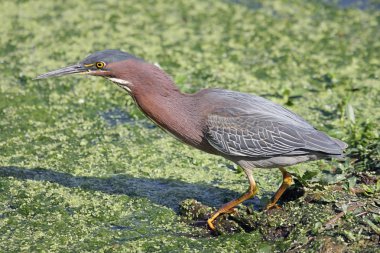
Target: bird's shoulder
(227, 103)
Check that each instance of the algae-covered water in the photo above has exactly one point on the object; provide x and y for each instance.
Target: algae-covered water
(82, 170)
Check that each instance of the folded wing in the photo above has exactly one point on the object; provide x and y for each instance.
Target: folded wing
(260, 128)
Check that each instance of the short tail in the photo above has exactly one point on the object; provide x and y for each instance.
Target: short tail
(343, 146)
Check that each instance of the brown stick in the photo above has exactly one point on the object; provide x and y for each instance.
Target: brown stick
(341, 214)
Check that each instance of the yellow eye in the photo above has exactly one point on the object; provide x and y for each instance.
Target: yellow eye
(100, 64)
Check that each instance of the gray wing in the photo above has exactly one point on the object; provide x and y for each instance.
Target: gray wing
(261, 128)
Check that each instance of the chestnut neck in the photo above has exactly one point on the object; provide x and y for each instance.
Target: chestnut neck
(158, 97)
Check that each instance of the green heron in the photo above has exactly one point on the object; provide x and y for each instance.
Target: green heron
(248, 130)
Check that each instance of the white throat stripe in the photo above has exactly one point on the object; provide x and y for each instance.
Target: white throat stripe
(119, 81)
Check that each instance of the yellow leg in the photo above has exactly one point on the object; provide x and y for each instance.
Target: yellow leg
(227, 208)
(286, 182)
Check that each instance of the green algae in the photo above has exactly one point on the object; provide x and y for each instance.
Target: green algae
(83, 170)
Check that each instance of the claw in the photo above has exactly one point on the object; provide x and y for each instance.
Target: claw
(232, 210)
(210, 225)
(271, 206)
(210, 221)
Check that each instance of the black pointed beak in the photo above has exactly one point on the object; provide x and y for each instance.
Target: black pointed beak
(73, 69)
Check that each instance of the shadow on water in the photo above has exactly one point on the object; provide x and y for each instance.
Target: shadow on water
(328, 115)
(117, 116)
(250, 4)
(358, 4)
(164, 192)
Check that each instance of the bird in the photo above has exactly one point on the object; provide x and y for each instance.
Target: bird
(249, 130)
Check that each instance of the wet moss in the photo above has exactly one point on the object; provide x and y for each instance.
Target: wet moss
(298, 224)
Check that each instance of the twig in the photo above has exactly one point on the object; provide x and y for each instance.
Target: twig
(296, 248)
(361, 214)
(341, 214)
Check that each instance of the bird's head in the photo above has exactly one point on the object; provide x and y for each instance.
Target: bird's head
(111, 64)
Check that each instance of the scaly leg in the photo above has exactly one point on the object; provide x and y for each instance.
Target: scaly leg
(227, 208)
(286, 182)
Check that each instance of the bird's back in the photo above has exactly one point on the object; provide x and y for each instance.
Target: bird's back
(244, 125)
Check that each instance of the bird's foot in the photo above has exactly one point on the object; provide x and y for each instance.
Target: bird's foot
(210, 225)
(271, 206)
(216, 215)
(230, 211)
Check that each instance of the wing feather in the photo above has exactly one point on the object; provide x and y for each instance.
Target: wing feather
(247, 136)
(254, 126)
